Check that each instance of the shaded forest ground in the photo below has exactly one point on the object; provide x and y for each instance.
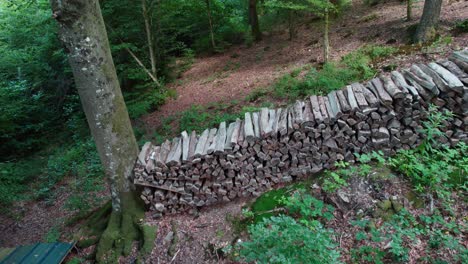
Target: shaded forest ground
(238, 72)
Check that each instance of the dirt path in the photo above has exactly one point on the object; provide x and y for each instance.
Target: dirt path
(237, 72)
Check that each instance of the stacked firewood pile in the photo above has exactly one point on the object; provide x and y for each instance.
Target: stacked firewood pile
(248, 157)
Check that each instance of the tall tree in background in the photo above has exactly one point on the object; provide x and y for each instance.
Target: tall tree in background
(149, 32)
(409, 9)
(82, 31)
(210, 21)
(253, 20)
(426, 30)
(320, 8)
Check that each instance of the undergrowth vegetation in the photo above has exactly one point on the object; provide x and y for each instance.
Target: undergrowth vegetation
(355, 66)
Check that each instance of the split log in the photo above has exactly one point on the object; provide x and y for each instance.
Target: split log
(423, 79)
(376, 86)
(192, 146)
(256, 124)
(370, 97)
(401, 82)
(323, 109)
(185, 146)
(201, 144)
(144, 153)
(211, 142)
(452, 81)
(316, 109)
(264, 122)
(334, 104)
(248, 128)
(283, 122)
(228, 144)
(344, 105)
(391, 87)
(173, 158)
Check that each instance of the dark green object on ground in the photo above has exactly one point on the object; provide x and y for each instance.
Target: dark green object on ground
(50, 253)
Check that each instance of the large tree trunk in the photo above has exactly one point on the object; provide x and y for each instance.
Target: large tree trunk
(253, 20)
(149, 37)
(84, 36)
(210, 21)
(430, 18)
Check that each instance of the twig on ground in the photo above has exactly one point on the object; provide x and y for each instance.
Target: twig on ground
(175, 255)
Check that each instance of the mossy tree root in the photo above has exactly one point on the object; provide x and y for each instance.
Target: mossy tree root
(123, 229)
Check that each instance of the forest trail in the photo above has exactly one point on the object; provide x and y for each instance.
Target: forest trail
(240, 70)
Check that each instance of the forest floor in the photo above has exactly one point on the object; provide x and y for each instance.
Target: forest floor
(240, 70)
(230, 76)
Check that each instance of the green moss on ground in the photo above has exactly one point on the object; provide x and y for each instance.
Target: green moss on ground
(265, 205)
(149, 236)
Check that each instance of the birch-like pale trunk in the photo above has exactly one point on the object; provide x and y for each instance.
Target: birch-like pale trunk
(83, 33)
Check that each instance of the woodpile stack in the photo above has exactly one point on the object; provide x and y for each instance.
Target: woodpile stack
(248, 157)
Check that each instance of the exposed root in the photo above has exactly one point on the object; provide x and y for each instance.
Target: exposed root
(116, 231)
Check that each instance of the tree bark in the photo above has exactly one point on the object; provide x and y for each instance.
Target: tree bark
(326, 43)
(149, 37)
(430, 18)
(83, 33)
(84, 36)
(210, 20)
(253, 19)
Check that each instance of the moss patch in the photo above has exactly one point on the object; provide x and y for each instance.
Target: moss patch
(265, 205)
(149, 236)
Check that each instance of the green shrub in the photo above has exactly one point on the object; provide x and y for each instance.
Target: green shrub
(81, 162)
(280, 239)
(16, 178)
(462, 26)
(434, 169)
(402, 231)
(144, 100)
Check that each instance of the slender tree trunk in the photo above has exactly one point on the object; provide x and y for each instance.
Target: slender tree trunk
(409, 9)
(149, 37)
(208, 10)
(430, 18)
(253, 19)
(158, 30)
(326, 44)
(291, 25)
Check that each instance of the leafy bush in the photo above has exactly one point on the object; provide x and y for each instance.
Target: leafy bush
(143, 101)
(282, 239)
(81, 161)
(16, 177)
(462, 26)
